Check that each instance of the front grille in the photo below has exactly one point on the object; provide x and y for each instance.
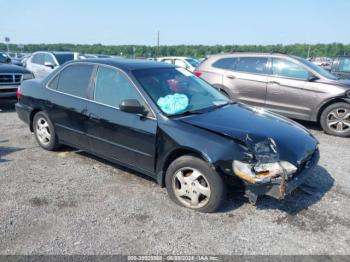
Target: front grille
(8, 90)
(10, 79)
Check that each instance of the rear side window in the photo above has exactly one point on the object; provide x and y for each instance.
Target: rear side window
(344, 65)
(255, 65)
(285, 68)
(112, 87)
(75, 80)
(226, 63)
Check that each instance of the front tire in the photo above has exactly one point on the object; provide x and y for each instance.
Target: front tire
(44, 132)
(335, 119)
(191, 183)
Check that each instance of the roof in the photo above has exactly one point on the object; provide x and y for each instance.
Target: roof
(232, 54)
(126, 64)
(56, 52)
(174, 57)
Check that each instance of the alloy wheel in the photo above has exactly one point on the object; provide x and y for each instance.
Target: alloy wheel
(191, 187)
(339, 120)
(43, 131)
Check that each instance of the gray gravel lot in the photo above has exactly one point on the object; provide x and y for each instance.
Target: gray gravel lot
(69, 202)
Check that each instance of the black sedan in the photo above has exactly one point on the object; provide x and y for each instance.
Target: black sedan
(165, 122)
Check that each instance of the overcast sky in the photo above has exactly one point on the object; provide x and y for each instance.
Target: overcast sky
(179, 21)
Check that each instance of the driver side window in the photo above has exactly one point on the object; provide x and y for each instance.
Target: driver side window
(285, 68)
(112, 88)
(49, 59)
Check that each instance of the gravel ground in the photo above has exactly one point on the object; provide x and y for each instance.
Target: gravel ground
(69, 202)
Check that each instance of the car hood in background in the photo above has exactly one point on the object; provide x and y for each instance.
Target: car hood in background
(12, 69)
(344, 82)
(254, 125)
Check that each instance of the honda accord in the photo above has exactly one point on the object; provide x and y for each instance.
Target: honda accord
(163, 121)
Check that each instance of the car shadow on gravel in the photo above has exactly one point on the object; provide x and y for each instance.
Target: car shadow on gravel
(7, 105)
(311, 192)
(6, 151)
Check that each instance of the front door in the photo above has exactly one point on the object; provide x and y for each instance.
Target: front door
(123, 137)
(289, 92)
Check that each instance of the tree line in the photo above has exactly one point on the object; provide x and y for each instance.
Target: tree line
(199, 51)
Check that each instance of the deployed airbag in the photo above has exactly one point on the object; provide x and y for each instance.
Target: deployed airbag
(173, 104)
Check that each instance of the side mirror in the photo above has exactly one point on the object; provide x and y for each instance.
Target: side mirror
(312, 78)
(132, 106)
(48, 64)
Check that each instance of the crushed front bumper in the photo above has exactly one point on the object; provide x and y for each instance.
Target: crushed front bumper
(279, 189)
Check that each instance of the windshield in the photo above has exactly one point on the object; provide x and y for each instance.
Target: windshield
(192, 62)
(316, 68)
(177, 91)
(62, 58)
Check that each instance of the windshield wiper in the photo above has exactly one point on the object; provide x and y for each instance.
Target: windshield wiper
(203, 110)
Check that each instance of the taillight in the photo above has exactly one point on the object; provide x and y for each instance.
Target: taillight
(18, 93)
(197, 73)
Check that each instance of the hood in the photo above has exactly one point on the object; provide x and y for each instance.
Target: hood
(340, 82)
(11, 69)
(255, 126)
(344, 82)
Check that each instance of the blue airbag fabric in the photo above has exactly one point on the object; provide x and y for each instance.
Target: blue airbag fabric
(173, 104)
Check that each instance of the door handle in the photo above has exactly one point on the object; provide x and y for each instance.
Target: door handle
(274, 83)
(94, 117)
(230, 76)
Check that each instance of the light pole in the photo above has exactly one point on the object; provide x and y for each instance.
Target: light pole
(158, 45)
(7, 40)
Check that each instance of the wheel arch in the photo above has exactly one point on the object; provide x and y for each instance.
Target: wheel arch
(31, 117)
(323, 106)
(176, 153)
(223, 89)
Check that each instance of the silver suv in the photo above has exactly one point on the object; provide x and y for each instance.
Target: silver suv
(288, 85)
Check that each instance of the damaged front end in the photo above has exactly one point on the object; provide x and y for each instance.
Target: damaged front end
(266, 174)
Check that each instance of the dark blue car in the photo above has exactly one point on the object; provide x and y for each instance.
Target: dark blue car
(165, 122)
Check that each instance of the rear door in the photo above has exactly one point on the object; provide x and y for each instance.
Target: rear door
(247, 80)
(68, 104)
(289, 92)
(126, 138)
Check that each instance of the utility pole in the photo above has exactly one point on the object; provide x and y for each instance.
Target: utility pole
(158, 45)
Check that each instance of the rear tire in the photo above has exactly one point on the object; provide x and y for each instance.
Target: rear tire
(44, 131)
(335, 119)
(192, 183)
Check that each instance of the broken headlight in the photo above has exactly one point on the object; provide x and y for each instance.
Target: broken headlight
(262, 173)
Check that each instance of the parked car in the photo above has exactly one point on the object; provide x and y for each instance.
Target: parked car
(324, 62)
(16, 58)
(43, 63)
(341, 67)
(288, 85)
(185, 62)
(91, 56)
(11, 76)
(170, 125)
